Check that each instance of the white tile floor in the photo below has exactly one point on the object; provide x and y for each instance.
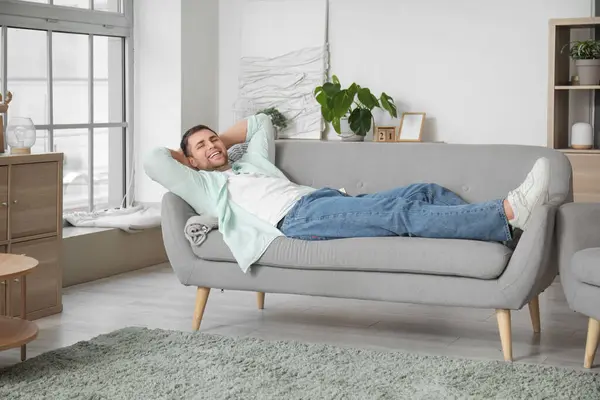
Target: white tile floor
(154, 298)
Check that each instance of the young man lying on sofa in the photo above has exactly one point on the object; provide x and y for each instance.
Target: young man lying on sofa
(255, 202)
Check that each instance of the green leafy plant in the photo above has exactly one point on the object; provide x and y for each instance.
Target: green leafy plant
(355, 103)
(279, 120)
(583, 49)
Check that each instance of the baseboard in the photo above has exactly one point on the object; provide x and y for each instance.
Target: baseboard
(45, 312)
(97, 255)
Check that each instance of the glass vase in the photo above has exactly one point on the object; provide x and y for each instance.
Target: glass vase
(20, 135)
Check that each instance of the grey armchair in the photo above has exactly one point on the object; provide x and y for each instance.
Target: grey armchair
(578, 226)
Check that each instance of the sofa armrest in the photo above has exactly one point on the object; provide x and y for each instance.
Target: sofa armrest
(531, 268)
(174, 215)
(578, 228)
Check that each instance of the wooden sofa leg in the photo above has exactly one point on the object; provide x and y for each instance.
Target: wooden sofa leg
(534, 312)
(593, 336)
(504, 327)
(260, 300)
(201, 298)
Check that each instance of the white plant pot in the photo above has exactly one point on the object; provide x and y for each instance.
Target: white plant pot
(346, 133)
(345, 127)
(353, 138)
(588, 71)
(582, 136)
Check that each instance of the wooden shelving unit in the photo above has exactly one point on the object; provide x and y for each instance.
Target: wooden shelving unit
(578, 87)
(574, 151)
(31, 224)
(568, 104)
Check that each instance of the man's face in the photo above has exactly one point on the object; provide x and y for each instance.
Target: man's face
(206, 151)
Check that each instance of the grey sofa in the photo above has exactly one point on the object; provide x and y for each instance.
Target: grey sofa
(578, 230)
(395, 269)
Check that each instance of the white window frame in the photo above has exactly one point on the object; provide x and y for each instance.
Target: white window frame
(53, 18)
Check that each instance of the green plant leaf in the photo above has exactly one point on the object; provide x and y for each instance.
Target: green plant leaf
(367, 99)
(279, 120)
(322, 99)
(360, 121)
(375, 100)
(352, 90)
(336, 125)
(331, 88)
(327, 114)
(387, 103)
(318, 89)
(583, 49)
(335, 80)
(342, 102)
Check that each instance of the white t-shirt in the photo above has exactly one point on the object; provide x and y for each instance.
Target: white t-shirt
(268, 198)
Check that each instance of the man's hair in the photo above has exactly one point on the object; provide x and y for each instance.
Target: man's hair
(190, 132)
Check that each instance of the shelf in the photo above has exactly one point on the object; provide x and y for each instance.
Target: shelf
(573, 151)
(577, 87)
(15, 332)
(585, 22)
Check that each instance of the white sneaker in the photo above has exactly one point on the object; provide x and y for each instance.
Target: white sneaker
(532, 193)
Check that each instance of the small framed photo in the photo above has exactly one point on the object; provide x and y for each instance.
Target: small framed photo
(411, 127)
(385, 134)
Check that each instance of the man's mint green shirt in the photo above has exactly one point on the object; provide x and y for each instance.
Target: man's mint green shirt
(246, 235)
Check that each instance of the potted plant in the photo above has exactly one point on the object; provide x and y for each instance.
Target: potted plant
(586, 54)
(352, 106)
(279, 120)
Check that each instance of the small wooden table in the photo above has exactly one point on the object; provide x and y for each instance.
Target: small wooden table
(16, 332)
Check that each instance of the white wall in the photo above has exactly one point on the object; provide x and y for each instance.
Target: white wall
(175, 77)
(230, 48)
(477, 67)
(199, 62)
(157, 71)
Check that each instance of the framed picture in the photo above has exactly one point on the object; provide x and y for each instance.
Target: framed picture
(411, 127)
(385, 134)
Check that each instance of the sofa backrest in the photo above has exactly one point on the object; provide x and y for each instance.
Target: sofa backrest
(475, 172)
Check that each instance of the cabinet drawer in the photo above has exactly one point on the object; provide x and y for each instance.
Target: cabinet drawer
(34, 199)
(586, 177)
(44, 282)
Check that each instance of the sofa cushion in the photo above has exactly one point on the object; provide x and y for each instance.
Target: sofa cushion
(466, 258)
(586, 266)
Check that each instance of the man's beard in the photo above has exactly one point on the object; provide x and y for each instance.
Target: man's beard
(221, 166)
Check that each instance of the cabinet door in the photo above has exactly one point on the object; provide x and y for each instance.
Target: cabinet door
(33, 202)
(3, 203)
(2, 289)
(44, 282)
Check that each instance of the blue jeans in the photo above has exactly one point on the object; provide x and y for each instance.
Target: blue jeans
(420, 210)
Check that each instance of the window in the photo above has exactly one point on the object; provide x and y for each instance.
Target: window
(68, 65)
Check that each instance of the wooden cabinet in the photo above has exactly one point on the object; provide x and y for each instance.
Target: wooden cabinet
(43, 282)
(2, 289)
(586, 177)
(33, 199)
(31, 224)
(3, 204)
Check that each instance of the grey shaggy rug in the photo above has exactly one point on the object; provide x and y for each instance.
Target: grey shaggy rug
(140, 363)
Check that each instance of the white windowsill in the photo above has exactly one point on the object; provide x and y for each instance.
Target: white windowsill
(72, 231)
